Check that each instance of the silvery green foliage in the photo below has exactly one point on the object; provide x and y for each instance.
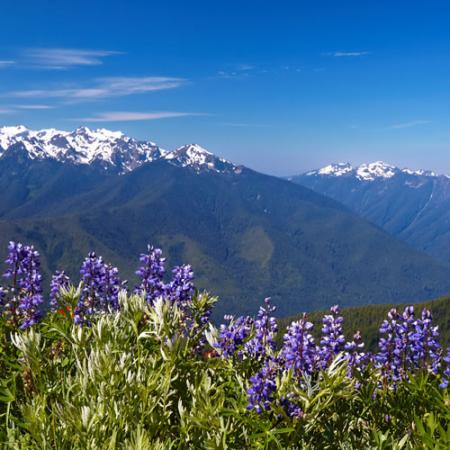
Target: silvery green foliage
(142, 377)
(130, 380)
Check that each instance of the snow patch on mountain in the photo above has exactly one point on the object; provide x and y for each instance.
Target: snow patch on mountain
(421, 172)
(336, 170)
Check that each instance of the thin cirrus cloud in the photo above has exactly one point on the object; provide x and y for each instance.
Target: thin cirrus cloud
(6, 63)
(64, 58)
(236, 71)
(411, 124)
(104, 88)
(124, 116)
(348, 54)
(34, 107)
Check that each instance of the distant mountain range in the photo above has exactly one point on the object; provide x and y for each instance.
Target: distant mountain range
(111, 150)
(413, 206)
(247, 235)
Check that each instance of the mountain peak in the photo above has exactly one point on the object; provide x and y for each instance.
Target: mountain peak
(13, 130)
(336, 170)
(194, 149)
(109, 149)
(199, 158)
(8, 134)
(376, 169)
(99, 133)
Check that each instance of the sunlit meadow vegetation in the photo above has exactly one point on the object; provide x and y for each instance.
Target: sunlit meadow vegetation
(110, 366)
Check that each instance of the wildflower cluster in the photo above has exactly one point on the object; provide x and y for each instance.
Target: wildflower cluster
(100, 291)
(151, 272)
(306, 389)
(21, 303)
(262, 344)
(179, 289)
(299, 352)
(22, 299)
(333, 340)
(407, 345)
(233, 335)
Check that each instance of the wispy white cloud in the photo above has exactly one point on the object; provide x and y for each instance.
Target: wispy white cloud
(347, 54)
(245, 67)
(126, 116)
(6, 63)
(63, 58)
(6, 111)
(412, 123)
(232, 74)
(237, 71)
(33, 107)
(103, 88)
(245, 71)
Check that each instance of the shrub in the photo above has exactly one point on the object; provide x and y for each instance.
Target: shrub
(108, 369)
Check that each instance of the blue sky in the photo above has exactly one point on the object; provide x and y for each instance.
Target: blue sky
(281, 86)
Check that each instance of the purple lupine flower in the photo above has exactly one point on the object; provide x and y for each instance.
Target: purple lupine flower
(101, 286)
(263, 342)
(299, 352)
(151, 272)
(445, 380)
(392, 346)
(199, 325)
(290, 408)
(232, 335)
(59, 281)
(112, 286)
(333, 340)
(263, 387)
(425, 348)
(409, 344)
(23, 305)
(357, 360)
(181, 289)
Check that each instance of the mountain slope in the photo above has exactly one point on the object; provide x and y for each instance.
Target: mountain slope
(247, 235)
(411, 205)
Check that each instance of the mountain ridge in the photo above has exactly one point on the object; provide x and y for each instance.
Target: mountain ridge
(112, 150)
(368, 171)
(412, 205)
(247, 235)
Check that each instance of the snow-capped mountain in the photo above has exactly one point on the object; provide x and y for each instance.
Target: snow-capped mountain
(195, 156)
(413, 205)
(109, 149)
(366, 172)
